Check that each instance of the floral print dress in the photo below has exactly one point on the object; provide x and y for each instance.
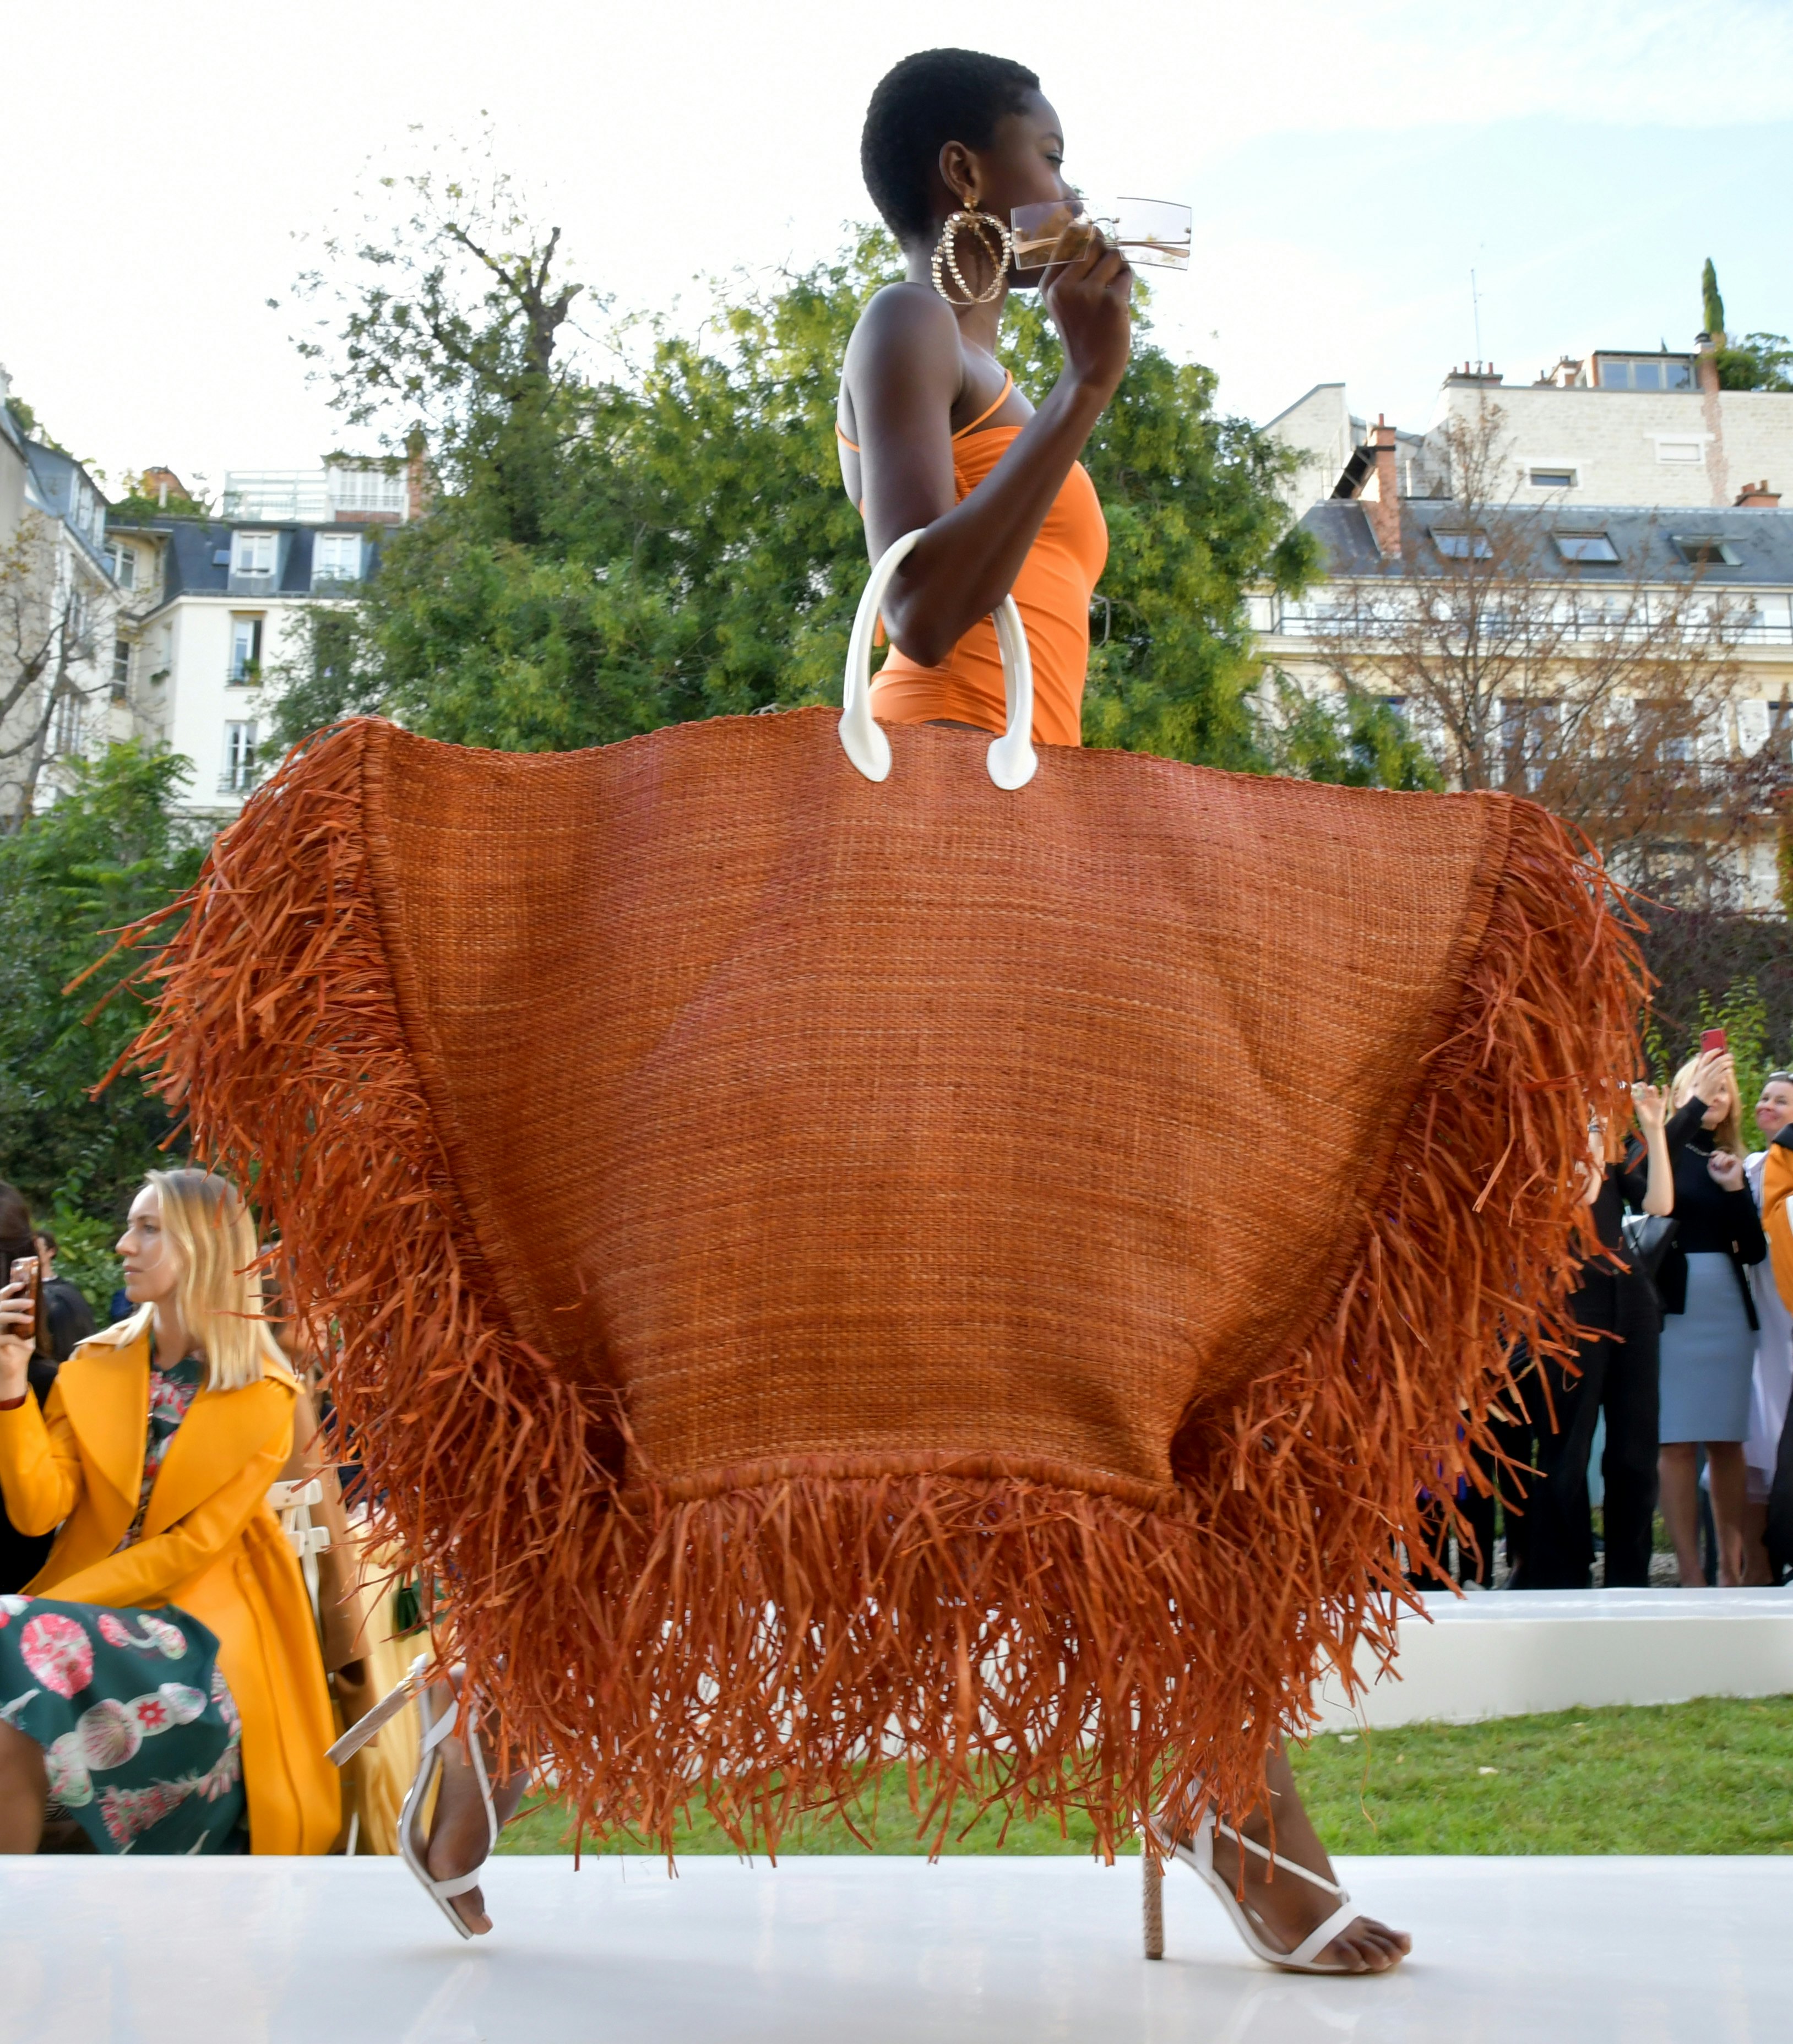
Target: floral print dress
(140, 1735)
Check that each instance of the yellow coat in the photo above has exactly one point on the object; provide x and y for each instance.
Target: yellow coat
(209, 1544)
(1777, 1217)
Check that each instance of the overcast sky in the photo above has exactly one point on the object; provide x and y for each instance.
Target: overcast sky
(1347, 163)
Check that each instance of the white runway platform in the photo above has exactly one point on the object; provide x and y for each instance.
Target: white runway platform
(870, 1951)
(1513, 1652)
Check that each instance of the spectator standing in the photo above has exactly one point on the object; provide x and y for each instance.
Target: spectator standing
(162, 1667)
(23, 1555)
(1615, 1368)
(66, 1314)
(1777, 1192)
(1711, 1323)
(1773, 1376)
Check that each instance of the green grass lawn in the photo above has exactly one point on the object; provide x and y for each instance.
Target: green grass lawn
(1713, 1776)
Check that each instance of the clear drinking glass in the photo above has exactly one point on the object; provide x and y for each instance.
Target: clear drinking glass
(1154, 233)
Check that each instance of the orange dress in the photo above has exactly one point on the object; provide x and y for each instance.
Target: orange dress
(1052, 592)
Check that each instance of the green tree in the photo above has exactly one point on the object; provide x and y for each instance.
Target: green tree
(1757, 362)
(1712, 306)
(670, 540)
(111, 850)
(1349, 738)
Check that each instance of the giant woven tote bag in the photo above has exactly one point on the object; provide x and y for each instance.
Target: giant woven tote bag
(975, 1265)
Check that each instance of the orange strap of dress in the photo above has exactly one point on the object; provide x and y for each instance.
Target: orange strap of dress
(1052, 591)
(988, 412)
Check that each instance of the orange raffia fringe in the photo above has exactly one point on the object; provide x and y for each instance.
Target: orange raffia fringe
(1029, 1644)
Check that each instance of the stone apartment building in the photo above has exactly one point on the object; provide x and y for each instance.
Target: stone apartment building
(1626, 471)
(62, 690)
(224, 600)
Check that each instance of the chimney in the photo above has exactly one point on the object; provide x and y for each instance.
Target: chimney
(158, 483)
(416, 477)
(1705, 359)
(1757, 497)
(1382, 494)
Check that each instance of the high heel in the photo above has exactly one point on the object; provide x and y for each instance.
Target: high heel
(412, 1846)
(1197, 1855)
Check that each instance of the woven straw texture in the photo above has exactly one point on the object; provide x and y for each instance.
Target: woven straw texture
(821, 1268)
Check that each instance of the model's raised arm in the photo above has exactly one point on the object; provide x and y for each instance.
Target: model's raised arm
(905, 372)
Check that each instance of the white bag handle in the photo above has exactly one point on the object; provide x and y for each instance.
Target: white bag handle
(1011, 759)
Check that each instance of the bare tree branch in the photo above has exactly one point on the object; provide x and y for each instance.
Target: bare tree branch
(1604, 693)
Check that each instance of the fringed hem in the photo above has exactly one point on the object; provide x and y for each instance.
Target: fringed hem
(1037, 1645)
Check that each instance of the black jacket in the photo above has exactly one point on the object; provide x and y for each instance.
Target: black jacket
(1708, 1220)
(23, 1555)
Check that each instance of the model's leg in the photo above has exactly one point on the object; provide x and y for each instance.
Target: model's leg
(1678, 1465)
(459, 1837)
(1288, 1906)
(24, 1789)
(1730, 1499)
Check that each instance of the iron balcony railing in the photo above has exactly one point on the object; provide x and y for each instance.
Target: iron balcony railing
(1296, 620)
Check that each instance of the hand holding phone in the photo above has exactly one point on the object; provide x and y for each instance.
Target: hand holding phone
(18, 1326)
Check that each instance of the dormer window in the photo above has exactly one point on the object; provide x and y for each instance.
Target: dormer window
(1701, 550)
(122, 560)
(1596, 547)
(1463, 546)
(335, 557)
(1646, 372)
(252, 554)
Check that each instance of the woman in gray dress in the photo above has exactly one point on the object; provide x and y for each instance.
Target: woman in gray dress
(1709, 1328)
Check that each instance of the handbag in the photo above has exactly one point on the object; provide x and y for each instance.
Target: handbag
(782, 1195)
(1648, 1239)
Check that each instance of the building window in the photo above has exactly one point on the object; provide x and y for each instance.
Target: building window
(1687, 451)
(1586, 547)
(239, 758)
(1463, 546)
(1646, 372)
(65, 734)
(120, 666)
(377, 491)
(252, 554)
(1529, 731)
(122, 560)
(1699, 550)
(245, 651)
(335, 557)
(1553, 479)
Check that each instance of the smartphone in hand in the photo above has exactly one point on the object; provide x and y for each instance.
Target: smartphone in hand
(28, 1271)
(1712, 1040)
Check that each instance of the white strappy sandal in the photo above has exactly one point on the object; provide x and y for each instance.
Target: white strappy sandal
(1198, 1855)
(412, 1846)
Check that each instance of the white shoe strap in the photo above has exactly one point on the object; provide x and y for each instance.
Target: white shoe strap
(457, 1884)
(442, 1728)
(1317, 1940)
(1276, 1859)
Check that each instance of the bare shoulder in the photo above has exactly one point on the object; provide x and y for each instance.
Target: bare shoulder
(908, 320)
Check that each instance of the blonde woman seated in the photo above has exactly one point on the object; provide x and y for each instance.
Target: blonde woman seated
(160, 1680)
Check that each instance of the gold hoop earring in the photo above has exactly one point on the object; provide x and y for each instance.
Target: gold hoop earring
(988, 230)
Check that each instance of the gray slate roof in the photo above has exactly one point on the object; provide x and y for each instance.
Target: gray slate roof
(1762, 540)
(197, 562)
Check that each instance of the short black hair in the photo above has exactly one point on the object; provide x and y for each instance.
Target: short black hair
(932, 98)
